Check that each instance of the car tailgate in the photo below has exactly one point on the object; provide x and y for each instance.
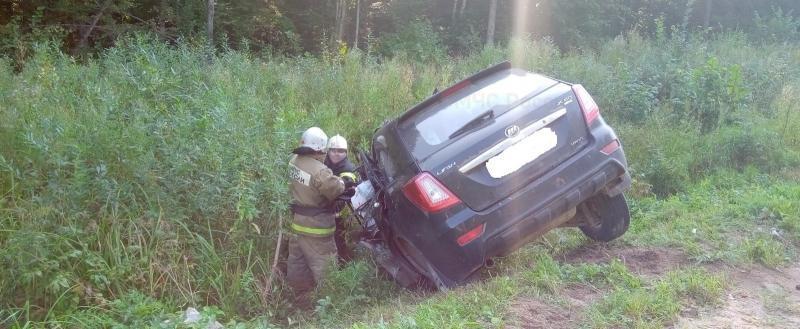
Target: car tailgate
(488, 164)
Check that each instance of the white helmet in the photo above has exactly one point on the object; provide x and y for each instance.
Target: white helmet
(315, 139)
(337, 142)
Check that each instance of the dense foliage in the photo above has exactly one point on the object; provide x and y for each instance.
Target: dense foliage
(388, 26)
(149, 175)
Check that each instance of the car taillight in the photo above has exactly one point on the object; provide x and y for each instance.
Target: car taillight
(610, 147)
(471, 235)
(428, 194)
(588, 105)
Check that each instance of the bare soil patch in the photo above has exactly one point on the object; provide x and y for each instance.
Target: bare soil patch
(641, 261)
(758, 297)
(531, 313)
(581, 295)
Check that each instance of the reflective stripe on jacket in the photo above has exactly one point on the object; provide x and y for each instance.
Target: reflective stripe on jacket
(344, 168)
(313, 231)
(313, 186)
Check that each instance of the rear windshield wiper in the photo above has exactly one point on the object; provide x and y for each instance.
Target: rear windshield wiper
(489, 114)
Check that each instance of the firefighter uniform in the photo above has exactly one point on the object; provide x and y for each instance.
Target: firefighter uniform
(347, 171)
(311, 248)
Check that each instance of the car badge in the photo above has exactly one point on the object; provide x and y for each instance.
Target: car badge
(512, 131)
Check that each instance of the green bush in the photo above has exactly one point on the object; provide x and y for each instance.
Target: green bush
(764, 250)
(741, 146)
(776, 27)
(715, 92)
(659, 153)
(786, 120)
(417, 41)
(151, 169)
(350, 288)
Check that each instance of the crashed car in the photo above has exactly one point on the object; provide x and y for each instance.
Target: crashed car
(483, 167)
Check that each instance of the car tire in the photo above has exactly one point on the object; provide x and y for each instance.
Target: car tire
(606, 218)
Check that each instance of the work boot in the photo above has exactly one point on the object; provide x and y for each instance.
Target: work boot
(303, 300)
(343, 256)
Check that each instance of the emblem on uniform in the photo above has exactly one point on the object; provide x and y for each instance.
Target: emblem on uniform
(299, 175)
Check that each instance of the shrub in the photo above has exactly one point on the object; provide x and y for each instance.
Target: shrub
(349, 289)
(764, 250)
(416, 41)
(659, 152)
(777, 27)
(739, 147)
(715, 92)
(150, 169)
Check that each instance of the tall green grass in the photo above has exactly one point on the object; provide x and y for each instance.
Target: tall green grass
(149, 176)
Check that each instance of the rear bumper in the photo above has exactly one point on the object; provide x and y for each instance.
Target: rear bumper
(519, 218)
(610, 178)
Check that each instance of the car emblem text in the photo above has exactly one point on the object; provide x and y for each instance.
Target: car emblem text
(512, 131)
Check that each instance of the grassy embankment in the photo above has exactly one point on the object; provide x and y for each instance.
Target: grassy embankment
(146, 180)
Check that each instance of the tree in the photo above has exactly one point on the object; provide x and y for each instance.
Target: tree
(453, 14)
(87, 31)
(341, 15)
(85, 26)
(210, 24)
(358, 23)
(490, 29)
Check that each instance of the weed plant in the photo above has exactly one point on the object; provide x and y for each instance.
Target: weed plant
(148, 179)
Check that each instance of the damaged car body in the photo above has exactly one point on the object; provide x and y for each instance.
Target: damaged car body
(483, 167)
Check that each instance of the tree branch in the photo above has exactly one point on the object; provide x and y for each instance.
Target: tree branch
(84, 40)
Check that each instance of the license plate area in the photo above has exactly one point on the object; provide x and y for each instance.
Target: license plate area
(523, 152)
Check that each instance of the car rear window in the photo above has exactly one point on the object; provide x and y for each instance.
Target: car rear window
(430, 128)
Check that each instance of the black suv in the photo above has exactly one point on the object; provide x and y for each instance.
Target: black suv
(485, 166)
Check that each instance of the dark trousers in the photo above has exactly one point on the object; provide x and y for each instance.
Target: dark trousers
(343, 252)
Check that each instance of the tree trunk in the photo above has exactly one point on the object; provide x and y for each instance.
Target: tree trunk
(162, 19)
(453, 15)
(707, 18)
(358, 23)
(490, 30)
(335, 32)
(341, 14)
(84, 41)
(463, 5)
(210, 28)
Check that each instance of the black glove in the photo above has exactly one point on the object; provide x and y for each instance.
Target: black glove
(338, 205)
(348, 182)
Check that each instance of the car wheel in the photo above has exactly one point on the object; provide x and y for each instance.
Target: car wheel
(605, 218)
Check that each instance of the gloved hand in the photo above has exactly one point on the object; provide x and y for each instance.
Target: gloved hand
(348, 182)
(338, 205)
